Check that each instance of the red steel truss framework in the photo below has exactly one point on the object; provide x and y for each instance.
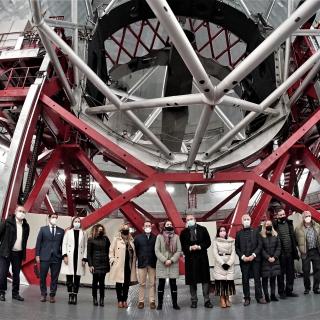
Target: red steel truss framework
(290, 158)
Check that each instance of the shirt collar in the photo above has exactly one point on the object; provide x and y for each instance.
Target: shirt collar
(51, 225)
(18, 221)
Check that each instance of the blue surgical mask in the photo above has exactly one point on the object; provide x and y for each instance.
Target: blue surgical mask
(191, 223)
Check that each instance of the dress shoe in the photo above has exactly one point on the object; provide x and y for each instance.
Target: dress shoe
(246, 302)
(52, 300)
(261, 301)
(152, 305)
(101, 302)
(306, 291)
(267, 299)
(208, 304)
(125, 304)
(316, 291)
(120, 305)
(43, 299)
(2, 297)
(95, 301)
(75, 299)
(175, 306)
(17, 297)
(193, 305)
(292, 295)
(283, 296)
(274, 298)
(140, 305)
(70, 301)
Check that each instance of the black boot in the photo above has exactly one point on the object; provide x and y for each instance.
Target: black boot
(174, 296)
(70, 298)
(95, 301)
(101, 301)
(160, 300)
(75, 298)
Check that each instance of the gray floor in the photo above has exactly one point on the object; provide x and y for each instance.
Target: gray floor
(303, 307)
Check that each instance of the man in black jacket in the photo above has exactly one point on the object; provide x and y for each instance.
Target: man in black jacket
(14, 233)
(49, 255)
(195, 241)
(289, 253)
(248, 248)
(144, 245)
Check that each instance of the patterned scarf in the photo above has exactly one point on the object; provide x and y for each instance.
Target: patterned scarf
(170, 240)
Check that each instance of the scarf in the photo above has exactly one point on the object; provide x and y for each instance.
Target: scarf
(193, 233)
(170, 240)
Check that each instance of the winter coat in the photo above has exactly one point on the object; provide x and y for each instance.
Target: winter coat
(98, 254)
(163, 254)
(294, 253)
(271, 247)
(224, 252)
(246, 247)
(196, 262)
(117, 256)
(8, 236)
(145, 250)
(300, 233)
(68, 246)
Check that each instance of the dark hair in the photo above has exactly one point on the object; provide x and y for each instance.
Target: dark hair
(72, 221)
(147, 221)
(52, 214)
(95, 228)
(218, 231)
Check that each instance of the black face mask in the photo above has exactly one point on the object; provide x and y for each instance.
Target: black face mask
(269, 228)
(125, 232)
(100, 233)
(169, 228)
(282, 219)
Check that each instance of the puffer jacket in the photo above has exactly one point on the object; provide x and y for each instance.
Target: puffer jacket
(98, 254)
(300, 233)
(224, 252)
(271, 247)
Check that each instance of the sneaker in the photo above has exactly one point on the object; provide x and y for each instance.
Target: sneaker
(17, 297)
(140, 305)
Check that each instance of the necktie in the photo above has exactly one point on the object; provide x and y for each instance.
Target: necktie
(53, 229)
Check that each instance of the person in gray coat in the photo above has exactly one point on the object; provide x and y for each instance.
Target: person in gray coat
(168, 252)
(270, 266)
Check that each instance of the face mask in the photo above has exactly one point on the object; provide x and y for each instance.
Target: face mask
(125, 232)
(76, 225)
(53, 221)
(168, 228)
(282, 219)
(222, 234)
(191, 223)
(246, 223)
(147, 230)
(20, 215)
(269, 228)
(132, 230)
(307, 219)
(100, 233)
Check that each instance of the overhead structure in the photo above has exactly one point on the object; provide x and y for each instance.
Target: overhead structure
(236, 106)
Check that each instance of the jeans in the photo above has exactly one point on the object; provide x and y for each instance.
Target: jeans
(314, 257)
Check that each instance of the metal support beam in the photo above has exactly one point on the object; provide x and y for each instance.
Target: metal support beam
(68, 182)
(276, 94)
(312, 163)
(75, 38)
(288, 46)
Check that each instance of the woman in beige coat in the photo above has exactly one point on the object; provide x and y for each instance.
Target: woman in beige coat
(224, 258)
(123, 264)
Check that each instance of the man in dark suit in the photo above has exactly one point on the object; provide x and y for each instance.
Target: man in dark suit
(248, 248)
(49, 255)
(14, 233)
(195, 241)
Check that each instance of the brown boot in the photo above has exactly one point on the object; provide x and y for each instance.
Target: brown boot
(223, 302)
(228, 302)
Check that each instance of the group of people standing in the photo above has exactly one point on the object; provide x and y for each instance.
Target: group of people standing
(268, 253)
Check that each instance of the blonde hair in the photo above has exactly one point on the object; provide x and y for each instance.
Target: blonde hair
(263, 232)
(121, 227)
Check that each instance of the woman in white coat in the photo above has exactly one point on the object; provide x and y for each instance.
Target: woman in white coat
(74, 251)
(122, 257)
(224, 258)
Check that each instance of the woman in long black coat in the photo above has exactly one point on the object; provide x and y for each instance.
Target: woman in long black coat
(270, 267)
(98, 260)
(195, 241)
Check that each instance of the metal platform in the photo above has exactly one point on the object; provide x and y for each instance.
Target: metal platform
(303, 307)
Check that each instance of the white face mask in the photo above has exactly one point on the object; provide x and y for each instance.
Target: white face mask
(246, 223)
(53, 221)
(20, 215)
(191, 223)
(132, 230)
(76, 225)
(307, 219)
(147, 230)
